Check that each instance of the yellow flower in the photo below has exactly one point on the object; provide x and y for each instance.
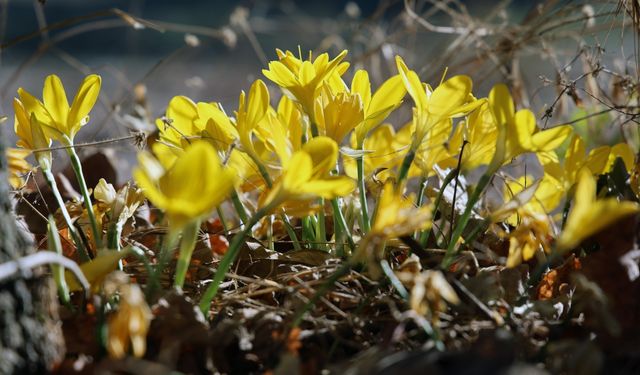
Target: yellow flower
(191, 188)
(378, 106)
(382, 153)
(525, 211)
(548, 194)
(337, 114)
(562, 177)
(450, 99)
(250, 113)
(216, 127)
(18, 166)
(397, 215)
(60, 120)
(481, 133)
(178, 128)
(517, 132)
(129, 325)
(301, 79)
(589, 215)
(31, 135)
(307, 175)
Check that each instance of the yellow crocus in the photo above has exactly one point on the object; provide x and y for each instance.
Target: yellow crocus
(452, 98)
(517, 131)
(307, 175)
(250, 113)
(301, 79)
(481, 133)
(60, 120)
(191, 188)
(216, 127)
(178, 127)
(561, 177)
(382, 153)
(397, 215)
(589, 215)
(376, 106)
(337, 114)
(31, 135)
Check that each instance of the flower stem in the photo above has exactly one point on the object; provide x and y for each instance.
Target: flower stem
(366, 222)
(338, 216)
(227, 261)
(53, 243)
(225, 227)
(240, 210)
(464, 219)
(291, 232)
(77, 168)
(168, 244)
(82, 252)
(404, 168)
(187, 244)
(321, 230)
(424, 238)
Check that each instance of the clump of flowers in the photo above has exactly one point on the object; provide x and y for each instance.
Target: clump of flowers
(286, 165)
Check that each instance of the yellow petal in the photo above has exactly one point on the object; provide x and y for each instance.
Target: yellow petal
(501, 104)
(329, 187)
(413, 84)
(550, 139)
(324, 154)
(386, 99)
(33, 105)
(55, 99)
(450, 95)
(83, 103)
(96, 269)
(362, 86)
(623, 151)
(588, 216)
(597, 160)
(258, 102)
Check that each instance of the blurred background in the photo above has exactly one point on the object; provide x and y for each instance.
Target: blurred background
(149, 51)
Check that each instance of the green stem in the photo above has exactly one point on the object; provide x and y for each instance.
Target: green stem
(240, 209)
(308, 232)
(342, 222)
(113, 239)
(419, 199)
(321, 230)
(82, 252)
(227, 261)
(366, 221)
(77, 168)
(291, 232)
(53, 242)
(169, 242)
(270, 244)
(404, 168)
(187, 244)
(397, 284)
(225, 227)
(464, 219)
